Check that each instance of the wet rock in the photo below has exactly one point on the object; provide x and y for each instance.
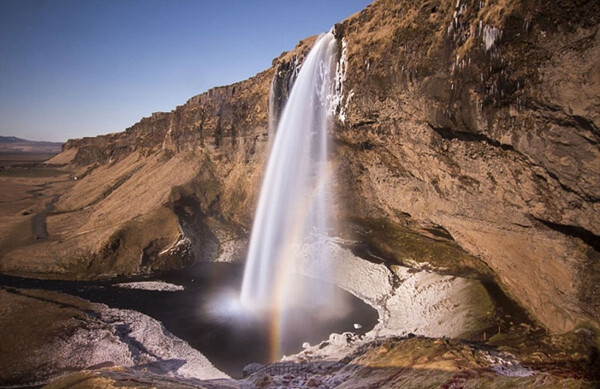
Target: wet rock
(251, 369)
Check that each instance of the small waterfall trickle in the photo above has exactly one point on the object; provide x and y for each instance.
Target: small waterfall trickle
(293, 213)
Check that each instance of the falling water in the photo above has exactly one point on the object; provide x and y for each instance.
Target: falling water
(293, 208)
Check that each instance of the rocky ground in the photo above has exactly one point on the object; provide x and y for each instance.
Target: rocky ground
(434, 331)
(48, 334)
(392, 363)
(345, 361)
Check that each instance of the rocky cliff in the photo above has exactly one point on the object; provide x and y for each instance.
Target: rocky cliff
(466, 141)
(483, 118)
(176, 187)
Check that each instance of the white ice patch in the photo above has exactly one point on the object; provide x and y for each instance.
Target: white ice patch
(337, 103)
(421, 302)
(230, 249)
(161, 346)
(160, 286)
(507, 365)
(182, 242)
(428, 304)
(168, 134)
(130, 339)
(490, 36)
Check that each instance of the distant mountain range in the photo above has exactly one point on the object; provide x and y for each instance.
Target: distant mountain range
(12, 144)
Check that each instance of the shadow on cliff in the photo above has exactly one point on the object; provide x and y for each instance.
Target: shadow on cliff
(192, 220)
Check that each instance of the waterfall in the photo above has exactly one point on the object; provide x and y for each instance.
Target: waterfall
(293, 211)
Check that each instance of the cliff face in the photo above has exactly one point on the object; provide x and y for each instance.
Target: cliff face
(174, 188)
(469, 141)
(483, 118)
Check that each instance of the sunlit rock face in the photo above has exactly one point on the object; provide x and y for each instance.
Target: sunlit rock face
(470, 130)
(483, 119)
(175, 188)
(78, 334)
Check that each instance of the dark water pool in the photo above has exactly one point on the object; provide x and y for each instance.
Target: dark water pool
(201, 314)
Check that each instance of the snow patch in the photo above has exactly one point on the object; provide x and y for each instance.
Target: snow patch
(507, 365)
(230, 250)
(428, 304)
(407, 301)
(180, 244)
(161, 347)
(160, 286)
(129, 339)
(490, 35)
(337, 103)
(336, 347)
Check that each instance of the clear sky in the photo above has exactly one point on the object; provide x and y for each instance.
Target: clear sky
(74, 68)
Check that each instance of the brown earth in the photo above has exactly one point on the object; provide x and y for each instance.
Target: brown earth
(31, 322)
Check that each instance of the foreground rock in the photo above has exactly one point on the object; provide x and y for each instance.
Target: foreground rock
(47, 334)
(409, 362)
(417, 362)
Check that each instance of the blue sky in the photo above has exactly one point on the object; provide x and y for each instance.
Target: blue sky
(74, 68)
